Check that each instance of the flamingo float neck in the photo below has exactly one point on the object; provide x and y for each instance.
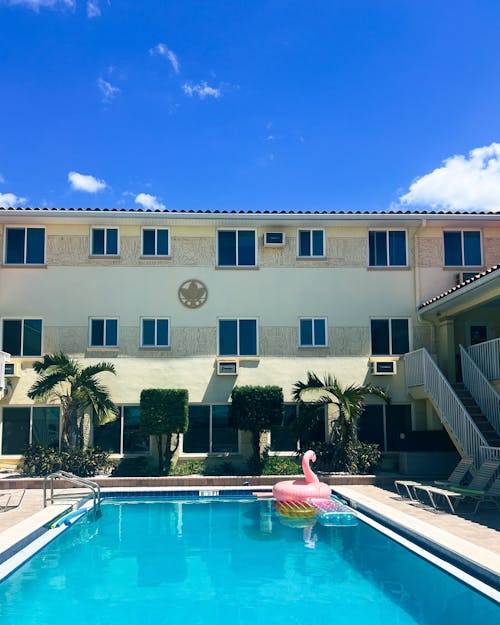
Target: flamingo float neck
(311, 477)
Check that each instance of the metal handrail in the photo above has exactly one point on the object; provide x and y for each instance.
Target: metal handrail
(73, 479)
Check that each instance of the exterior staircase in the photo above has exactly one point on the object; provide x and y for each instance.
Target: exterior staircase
(483, 424)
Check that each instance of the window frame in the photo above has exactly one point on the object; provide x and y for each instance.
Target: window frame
(388, 265)
(22, 320)
(25, 228)
(462, 231)
(313, 345)
(104, 346)
(238, 355)
(390, 320)
(311, 255)
(105, 254)
(155, 229)
(155, 319)
(210, 453)
(121, 419)
(236, 265)
(31, 408)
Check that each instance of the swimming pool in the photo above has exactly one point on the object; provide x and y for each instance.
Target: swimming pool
(201, 562)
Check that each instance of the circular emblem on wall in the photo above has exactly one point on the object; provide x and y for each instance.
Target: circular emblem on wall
(193, 293)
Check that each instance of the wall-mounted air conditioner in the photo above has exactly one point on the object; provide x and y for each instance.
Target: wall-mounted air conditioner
(227, 367)
(11, 370)
(274, 239)
(462, 276)
(383, 367)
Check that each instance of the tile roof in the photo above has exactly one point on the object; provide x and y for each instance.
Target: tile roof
(461, 285)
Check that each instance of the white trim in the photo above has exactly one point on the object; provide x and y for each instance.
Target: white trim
(314, 344)
(388, 265)
(155, 229)
(105, 254)
(311, 255)
(90, 345)
(461, 231)
(237, 265)
(28, 227)
(238, 319)
(22, 320)
(155, 319)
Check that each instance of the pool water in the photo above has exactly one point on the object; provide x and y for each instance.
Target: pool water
(202, 563)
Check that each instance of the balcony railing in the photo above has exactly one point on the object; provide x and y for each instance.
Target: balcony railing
(487, 357)
(421, 370)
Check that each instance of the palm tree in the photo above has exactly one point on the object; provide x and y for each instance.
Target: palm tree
(350, 401)
(77, 389)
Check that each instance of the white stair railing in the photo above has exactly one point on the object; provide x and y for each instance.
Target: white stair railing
(481, 390)
(487, 357)
(421, 370)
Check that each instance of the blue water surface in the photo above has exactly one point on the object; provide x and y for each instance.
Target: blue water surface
(207, 563)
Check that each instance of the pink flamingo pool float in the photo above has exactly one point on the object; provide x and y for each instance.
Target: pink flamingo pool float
(300, 490)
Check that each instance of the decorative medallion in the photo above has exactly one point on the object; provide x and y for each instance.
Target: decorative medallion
(193, 293)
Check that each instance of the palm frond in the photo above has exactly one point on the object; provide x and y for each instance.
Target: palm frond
(100, 367)
(45, 385)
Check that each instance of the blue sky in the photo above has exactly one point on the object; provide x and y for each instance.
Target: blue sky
(250, 105)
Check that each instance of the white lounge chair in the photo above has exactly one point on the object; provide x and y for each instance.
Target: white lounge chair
(11, 499)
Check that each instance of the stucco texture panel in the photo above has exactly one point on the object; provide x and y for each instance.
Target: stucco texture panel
(422, 337)
(347, 252)
(70, 340)
(429, 251)
(349, 341)
(67, 249)
(340, 252)
(491, 251)
(193, 251)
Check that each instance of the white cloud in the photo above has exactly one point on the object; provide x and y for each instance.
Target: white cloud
(36, 5)
(149, 201)
(83, 182)
(11, 199)
(108, 91)
(202, 90)
(162, 50)
(93, 9)
(463, 183)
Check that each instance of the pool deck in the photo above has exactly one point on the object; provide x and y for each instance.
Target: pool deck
(474, 538)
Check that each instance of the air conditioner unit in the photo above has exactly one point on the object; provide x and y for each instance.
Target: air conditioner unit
(383, 367)
(463, 276)
(11, 370)
(227, 367)
(274, 239)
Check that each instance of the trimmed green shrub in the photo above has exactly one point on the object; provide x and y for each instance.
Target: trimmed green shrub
(164, 412)
(139, 466)
(280, 465)
(40, 461)
(190, 467)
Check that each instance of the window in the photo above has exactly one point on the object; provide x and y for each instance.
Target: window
(389, 426)
(236, 248)
(25, 246)
(389, 336)
(104, 333)
(387, 248)
(22, 337)
(211, 430)
(282, 438)
(38, 425)
(104, 242)
(462, 249)
(123, 435)
(313, 332)
(311, 243)
(155, 242)
(155, 333)
(237, 337)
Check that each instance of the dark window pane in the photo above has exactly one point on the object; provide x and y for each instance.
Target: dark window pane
(317, 237)
(312, 418)
(148, 332)
(35, 252)
(134, 440)
(478, 334)
(97, 332)
(197, 437)
(371, 425)
(246, 248)
(304, 243)
(399, 335)
(16, 430)
(162, 332)
(98, 241)
(453, 249)
(228, 343)
(282, 438)
(162, 242)
(378, 248)
(472, 248)
(306, 337)
(319, 332)
(111, 332)
(107, 436)
(32, 338)
(148, 243)
(248, 337)
(224, 431)
(380, 336)
(112, 241)
(12, 336)
(15, 246)
(45, 426)
(398, 424)
(397, 248)
(227, 248)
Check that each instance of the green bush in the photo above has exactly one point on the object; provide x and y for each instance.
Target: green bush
(139, 466)
(353, 457)
(190, 467)
(40, 461)
(280, 465)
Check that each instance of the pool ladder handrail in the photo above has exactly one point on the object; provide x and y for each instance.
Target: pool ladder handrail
(73, 479)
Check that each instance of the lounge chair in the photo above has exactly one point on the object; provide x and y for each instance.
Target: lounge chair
(482, 479)
(490, 495)
(458, 474)
(10, 499)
